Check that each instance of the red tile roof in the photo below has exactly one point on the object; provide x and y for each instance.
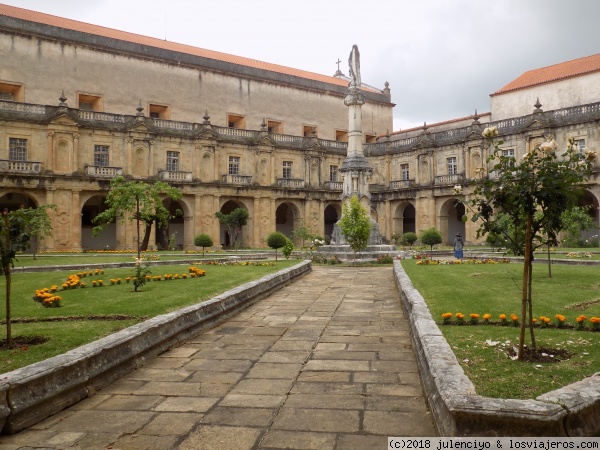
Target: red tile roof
(48, 19)
(556, 72)
(437, 124)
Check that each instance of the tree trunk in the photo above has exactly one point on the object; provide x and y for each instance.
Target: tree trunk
(549, 264)
(146, 240)
(529, 298)
(524, 289)
(8, 317)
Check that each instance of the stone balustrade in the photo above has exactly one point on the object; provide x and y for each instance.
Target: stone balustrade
(236, 179)
(402, 184)
(103, 171)
(334, 185)
(445, 180)
(172, 175)
(290, 182)
(7, 165)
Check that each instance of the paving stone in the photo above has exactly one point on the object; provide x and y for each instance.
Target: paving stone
(342, 377)
(327, 388)
(398, 423)
(167, 363)
(151, 374)
(215, 377)
(283, 345)
(123, 387)
(375, 377)
(105, 421)
(345, 355)
(394, 404)
(167, 388)
(228, 353)
(285, 357)
(278, 439)
(402, 390)
(225, 365)
(253, 401)
(262, 386)
(228, 415)
(187, 404)
(322, 401)
(337, 365)
(97, 441)
(274, 370)
(319, 420)
(361, 442)
(221, 438)
(180, 352)
(171, 424)
(144, 442)
(130, 403)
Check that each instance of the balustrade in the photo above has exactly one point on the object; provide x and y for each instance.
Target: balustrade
(103, 171)
(401, 184)
(171, 175)
(6, 105)
(7, 165)
(444, 180)
(334, 185)
(290, 182)
(237, 179)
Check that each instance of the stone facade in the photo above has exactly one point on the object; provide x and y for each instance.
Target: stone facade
(228, 135)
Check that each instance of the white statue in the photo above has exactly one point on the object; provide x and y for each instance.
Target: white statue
(354, 63)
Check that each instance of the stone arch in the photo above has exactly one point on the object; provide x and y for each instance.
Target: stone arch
(107, 239)
(405, 219)
(11, 201)
(588, 199)
(450, 220)
(175, 227)
(224, 235)
(331, 214)
(287, 218)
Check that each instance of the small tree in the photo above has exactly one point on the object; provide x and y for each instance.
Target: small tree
(302, 234)
(203, 240)
(15, 236)
(355, 225)
(431, 237)
(141, 201)
(276, 240)
(409, 238)
(288, 248)
(234, 221)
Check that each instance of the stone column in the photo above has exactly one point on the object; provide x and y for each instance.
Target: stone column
(76, 152)
(49, 151)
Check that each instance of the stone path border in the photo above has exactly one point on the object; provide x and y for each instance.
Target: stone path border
(35, 392)
(573, 410)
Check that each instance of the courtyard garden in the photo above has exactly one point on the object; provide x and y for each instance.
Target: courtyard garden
(98, 302)
(477, 307)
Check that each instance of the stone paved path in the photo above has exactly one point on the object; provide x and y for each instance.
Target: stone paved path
(325, 363)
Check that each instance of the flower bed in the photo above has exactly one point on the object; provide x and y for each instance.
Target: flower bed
(543, 322)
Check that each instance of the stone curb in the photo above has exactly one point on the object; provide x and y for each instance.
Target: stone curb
(35, 392)
(573, 410)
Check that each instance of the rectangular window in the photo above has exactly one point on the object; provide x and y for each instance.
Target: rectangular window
(404, 169)
(579, 145)
(274, 126)
(11, 92)
(341, 136)
(333, 173)
(173, 161)
(89, 102)
(452, 166)
(159, 111)
(236, 121)
(101, 155)
(307, 130)
(17, 149)
(509, 152)
(234, 165)
(287, 169)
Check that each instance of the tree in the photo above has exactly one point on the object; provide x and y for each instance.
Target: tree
(574, 221)
(234, 221)
(431, 237)
(276, 240)
(39, 225)
(355, 225)
(15, 236)
(409, 238)
(140, 201)
(203, 240)
(534, 193)
(303, 234)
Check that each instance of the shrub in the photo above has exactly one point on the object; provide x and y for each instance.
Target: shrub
(203, 240)
(408, 239)
(431, 237)
(288, 248)
(276, 240)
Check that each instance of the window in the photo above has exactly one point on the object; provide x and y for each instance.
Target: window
(236, 121)
(173, 161)
(159, 111)
(333, 173)
(509, 152)
(579, 145)
(234, 165)
(101, 155)
(11, 92)
(274, 126)
(307, 130)
(287, 169)
(88, 102)
(404, 169)
(17, 149)
(341, 136)
(452, 166)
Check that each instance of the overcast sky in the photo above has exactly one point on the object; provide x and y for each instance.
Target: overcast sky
(442, 58)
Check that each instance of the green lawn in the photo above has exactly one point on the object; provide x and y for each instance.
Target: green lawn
(496, 289)
(155, 298)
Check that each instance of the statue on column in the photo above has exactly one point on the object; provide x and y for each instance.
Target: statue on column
(354, 63)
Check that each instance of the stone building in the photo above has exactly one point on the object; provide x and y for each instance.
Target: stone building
(80, 104)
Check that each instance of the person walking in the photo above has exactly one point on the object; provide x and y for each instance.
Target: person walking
(458, 246)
